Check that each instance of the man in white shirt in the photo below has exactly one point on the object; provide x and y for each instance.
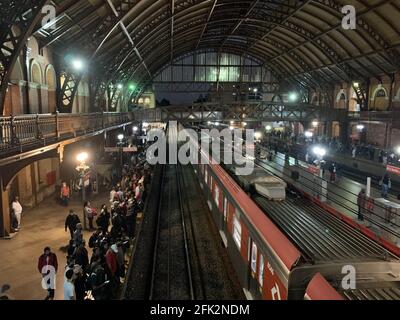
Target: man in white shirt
(112, 195)
(17, 209)
(69, 288)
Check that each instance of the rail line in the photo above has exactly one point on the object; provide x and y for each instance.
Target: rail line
(171, 276)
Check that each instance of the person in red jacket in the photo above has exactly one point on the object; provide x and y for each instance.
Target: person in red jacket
(47, 266)
(111, 259)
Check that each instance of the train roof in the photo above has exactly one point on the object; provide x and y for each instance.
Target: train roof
(320, 236)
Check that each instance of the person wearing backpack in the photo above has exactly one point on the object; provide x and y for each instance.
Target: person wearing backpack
(71, 221)
(97, 280)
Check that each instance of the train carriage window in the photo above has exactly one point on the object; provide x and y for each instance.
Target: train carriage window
(261, 271)
(216, 196)
(254, 258)
(206, 175)
(225, 208)
(237, 231)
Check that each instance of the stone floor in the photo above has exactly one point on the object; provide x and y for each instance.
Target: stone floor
(41, 226)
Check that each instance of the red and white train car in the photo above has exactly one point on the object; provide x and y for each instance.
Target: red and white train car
(270, 266)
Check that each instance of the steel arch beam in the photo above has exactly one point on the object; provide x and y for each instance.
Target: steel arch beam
(25, 16)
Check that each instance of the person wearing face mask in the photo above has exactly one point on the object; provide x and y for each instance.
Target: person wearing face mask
(47, 266)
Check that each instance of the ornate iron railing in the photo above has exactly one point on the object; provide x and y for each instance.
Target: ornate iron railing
(19, 132)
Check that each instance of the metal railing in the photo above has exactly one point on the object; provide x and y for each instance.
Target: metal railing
(18, 132)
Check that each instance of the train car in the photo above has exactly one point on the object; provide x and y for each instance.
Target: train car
(261, 182)
(274, 260)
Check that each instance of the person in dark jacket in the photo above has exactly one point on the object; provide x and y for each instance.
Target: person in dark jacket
(103, 221)
(81, 256)
(361, 202)
(79, 283)
(71, 221)
(47, 266)
(386, 185)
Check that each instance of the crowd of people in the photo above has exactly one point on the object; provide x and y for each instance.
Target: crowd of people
(334, 145)
(99, 275)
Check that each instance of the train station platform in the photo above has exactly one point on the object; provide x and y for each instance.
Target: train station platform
(340, 195)
(41, 226)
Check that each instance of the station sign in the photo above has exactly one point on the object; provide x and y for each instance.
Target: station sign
(124, 149)
(393, 169)
(130, 149)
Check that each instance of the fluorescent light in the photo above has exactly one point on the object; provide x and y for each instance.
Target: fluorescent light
(77, 64)
(308, 134)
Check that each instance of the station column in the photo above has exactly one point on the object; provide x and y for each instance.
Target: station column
(5, 225)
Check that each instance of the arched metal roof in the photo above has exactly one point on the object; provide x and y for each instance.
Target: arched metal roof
(300, 41)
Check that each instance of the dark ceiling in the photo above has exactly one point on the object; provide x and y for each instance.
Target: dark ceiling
(300, 41)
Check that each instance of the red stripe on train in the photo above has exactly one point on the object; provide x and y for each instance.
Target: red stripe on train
(320, 289)
(286, 251)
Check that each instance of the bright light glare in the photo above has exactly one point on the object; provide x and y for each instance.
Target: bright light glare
(319, 151)
(82, 157)
(121, 137)
(135, 129)
(77, 64)
(257, 135)
(356, 84)
(315, 124)
(255, 90)
(244, 124)
(293, 96)
(308, 134)
(145, 124)
(360, 127)
(398, 150)
(231, 128)
(268, 128)
(232, 122)
(120, 86)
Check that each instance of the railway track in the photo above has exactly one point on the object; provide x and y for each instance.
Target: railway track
(171, 276)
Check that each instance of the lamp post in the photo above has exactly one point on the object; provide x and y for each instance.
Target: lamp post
(120, 139)
(82, 168)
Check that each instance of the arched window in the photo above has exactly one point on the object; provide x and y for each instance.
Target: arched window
(381, 93)
(36, 73)
(343, 97)
(50, 77)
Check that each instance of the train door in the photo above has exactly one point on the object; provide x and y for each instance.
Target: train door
(253, 279)
(225, 215)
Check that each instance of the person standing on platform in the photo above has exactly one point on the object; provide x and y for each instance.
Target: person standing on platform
(47, 266)
(361, 201)
(65, 194)
(112, 263)
(69, 288)
(78, 235)
(112, 195)
(17, 210)
(89, 214)
(386, 185)
(332, 170)
(71, 222)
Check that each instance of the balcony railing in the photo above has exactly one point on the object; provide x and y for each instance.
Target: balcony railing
(18, 133)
